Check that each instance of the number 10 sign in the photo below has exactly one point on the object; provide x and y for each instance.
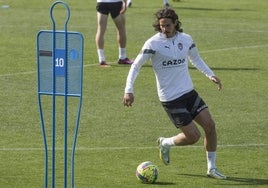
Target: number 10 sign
(56, 64)
(59, 62)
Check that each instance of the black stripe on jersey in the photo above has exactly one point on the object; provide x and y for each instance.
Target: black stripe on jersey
(148, 51)
(193, 45)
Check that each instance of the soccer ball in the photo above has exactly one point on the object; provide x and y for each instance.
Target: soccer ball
(147, 172)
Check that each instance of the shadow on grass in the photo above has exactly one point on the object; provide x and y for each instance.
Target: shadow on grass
(193, 68)
(236, 180)
(211, 9)
(190, 67)
(234, 69)
(217, 68)
(164, 183)
(248, 181)
(230, 68)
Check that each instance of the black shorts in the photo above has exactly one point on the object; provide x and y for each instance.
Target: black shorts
(112, 8)
(183, 110)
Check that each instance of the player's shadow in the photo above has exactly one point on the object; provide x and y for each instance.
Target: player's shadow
(211, 9)
(249, 181)
(212, 68)
(235, 180)
(229, 68)
(193, 68)
(234, 69)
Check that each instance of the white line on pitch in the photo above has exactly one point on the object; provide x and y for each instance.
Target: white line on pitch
(205, 51)
(33, 72)
(234, 48)
(131, 148)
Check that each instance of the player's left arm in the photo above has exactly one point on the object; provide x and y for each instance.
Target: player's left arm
(217, 81)
(199, 63)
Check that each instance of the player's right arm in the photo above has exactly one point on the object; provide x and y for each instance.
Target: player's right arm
(128, 98)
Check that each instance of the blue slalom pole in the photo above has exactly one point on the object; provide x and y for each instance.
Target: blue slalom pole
(60, 73)
(65, 95)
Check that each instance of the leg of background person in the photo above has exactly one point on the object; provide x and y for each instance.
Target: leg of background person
(102, 24)
(121, 35)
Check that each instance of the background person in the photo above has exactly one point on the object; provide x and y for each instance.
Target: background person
(117, 10)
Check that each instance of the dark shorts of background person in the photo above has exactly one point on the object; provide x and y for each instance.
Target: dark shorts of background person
(184, 109)
(112, 8)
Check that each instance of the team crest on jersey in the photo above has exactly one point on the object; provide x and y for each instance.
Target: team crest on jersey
(180, 46)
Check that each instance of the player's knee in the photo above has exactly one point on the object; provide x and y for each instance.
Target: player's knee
(210, 128)
(197, 137)
(193, 138)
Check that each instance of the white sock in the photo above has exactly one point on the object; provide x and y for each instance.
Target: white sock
(101, 55)
(211, 159)
(122, 53)
(168, 142)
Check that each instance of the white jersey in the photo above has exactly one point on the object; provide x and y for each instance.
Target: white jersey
(108, 1)
(169, 57)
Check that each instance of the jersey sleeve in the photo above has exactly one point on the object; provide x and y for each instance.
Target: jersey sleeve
(198, 62)
(144, 55)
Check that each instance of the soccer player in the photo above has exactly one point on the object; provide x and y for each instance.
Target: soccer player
(169, 50)
(117, 9)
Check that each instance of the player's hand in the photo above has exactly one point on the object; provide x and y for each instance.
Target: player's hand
(128, 99)
(217, 81)
(124, 7)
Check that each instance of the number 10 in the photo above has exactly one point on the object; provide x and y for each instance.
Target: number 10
(59, 62)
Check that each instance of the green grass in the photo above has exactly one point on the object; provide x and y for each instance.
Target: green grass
(232, 38)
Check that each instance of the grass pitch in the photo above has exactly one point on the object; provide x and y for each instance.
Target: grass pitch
(232, 38)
